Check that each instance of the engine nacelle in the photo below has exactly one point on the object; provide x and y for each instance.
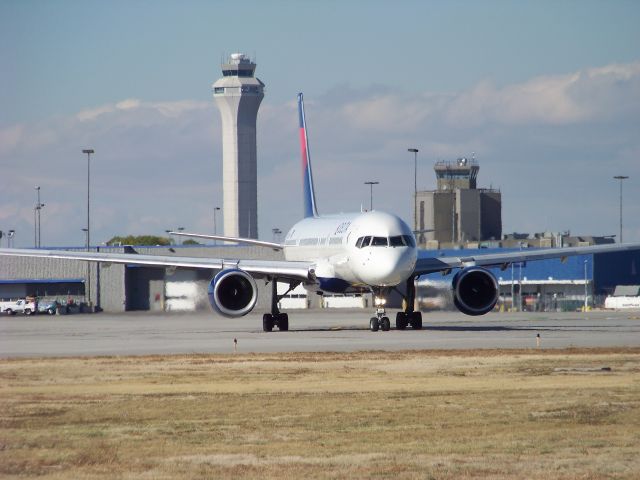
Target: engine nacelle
(233, 293)
(475, 291)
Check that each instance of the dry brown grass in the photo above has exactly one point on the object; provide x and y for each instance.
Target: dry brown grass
(445, 415)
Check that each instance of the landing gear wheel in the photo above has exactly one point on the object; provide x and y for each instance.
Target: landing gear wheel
(267, 322)
(374, 325)
(416, 320)
(385, 324)
(401, 320)
(283, 322)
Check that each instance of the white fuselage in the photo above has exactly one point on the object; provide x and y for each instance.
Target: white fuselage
(358, 249)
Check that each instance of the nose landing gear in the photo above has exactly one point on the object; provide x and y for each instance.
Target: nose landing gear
(380, 321)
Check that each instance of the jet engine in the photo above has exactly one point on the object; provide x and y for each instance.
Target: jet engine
(475, 291)
(233, 293)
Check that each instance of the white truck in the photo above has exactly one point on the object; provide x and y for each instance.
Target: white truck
(19, 306)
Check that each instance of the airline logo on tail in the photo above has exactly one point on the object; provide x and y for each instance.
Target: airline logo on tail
(307, 176)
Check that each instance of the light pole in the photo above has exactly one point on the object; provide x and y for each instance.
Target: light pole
(37, 235)
(88, 281)
(88, 151)
(415, 187)
(10, 236)
(621, 178)
(371, 184)
(215, 223)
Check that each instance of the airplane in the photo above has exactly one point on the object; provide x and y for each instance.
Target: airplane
(370, 251)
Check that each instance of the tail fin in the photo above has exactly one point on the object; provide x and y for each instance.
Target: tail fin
(307, 176)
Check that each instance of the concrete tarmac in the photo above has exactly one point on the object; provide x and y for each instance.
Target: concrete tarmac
(144, 333)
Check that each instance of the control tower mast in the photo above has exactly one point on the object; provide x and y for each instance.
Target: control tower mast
(238, 95)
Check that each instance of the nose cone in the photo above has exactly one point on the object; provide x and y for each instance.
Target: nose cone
(389, 267)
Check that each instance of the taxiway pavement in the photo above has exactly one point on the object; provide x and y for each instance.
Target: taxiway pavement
(144, 333)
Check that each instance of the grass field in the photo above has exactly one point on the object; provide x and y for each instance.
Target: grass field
(442, 414)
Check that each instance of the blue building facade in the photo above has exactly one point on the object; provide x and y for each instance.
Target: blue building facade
(545, 284)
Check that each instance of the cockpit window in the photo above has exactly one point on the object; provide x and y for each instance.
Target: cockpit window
(363, 242)
(396, 241)
(379, 242)
(408, 239)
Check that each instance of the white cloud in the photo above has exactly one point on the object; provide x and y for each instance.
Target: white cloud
(554, 100)
(10, 137)
(128, 104)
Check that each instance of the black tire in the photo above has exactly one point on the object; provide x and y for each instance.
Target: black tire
(416, 320)
(283, 322)
(27, 311)
(8, 311)
(385, 324)
(51, 311)
(374, 325)
(401, 320)
(267, 322)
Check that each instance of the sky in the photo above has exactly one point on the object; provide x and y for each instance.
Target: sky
(544, 94)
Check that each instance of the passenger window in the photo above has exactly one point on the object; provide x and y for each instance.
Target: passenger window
(379, 242)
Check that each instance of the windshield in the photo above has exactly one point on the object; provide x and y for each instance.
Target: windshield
(395, 241)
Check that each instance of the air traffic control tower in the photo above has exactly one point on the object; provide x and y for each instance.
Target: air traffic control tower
(458, 211)
(238, 95)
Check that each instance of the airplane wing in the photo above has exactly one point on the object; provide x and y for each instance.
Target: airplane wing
(438, 264)
(257, 268)
(248, 241)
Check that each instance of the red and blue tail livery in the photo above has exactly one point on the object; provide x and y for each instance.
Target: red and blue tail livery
(307, 176)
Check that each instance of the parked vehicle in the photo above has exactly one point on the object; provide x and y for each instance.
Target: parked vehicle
(49, 308)
(19, 306)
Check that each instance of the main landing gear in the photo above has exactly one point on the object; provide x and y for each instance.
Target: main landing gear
(276, 318)
(409, 316)
(403, 319)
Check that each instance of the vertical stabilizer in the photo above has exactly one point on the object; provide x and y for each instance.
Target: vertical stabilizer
(307, 176)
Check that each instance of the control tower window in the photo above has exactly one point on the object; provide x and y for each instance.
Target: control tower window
(250, 89)
(218, 90)
(245, 73)
(229, 73)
